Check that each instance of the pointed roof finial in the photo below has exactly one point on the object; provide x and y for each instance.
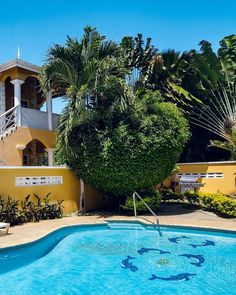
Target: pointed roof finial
(18, 52)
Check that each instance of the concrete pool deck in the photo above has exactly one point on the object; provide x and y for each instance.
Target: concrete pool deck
(178, 216)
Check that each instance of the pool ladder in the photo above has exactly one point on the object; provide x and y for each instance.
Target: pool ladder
(135, 194)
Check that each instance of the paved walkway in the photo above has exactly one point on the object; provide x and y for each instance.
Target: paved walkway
(169, 215)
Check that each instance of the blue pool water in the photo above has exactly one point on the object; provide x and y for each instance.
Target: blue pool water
(122, 259)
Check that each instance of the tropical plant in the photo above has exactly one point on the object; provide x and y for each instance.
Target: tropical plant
(207, 74)
(86, 71)
(90, 72)
(138, 56)
(166, 73)
(219, 117)
(123, 151)
(205, 69)
(106, 124)
(17, 212)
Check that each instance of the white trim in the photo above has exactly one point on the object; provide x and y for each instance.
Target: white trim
(209, 175)
(49, 110)
(20, 63)
(2, 97)
(33, 167)
(207, 163)
(17, 98)
(51, 159)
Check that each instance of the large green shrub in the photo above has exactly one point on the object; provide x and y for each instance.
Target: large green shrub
(122, 151)
(218, 203)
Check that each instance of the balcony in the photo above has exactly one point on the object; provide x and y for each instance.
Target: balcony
(37, 119)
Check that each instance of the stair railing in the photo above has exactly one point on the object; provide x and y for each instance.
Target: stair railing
(8, 119)
(135, 194)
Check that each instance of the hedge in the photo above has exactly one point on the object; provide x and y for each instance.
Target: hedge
(219, 203)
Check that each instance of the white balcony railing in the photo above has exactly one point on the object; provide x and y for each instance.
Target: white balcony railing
(9, 120)
(25, 117)
(37, 119)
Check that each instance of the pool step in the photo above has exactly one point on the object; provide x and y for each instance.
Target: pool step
(125, 225)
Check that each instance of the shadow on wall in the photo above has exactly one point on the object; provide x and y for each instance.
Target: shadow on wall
(59, 181)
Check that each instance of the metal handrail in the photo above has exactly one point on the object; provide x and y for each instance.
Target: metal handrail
(135, 210)
(8, 119)
(9, 111)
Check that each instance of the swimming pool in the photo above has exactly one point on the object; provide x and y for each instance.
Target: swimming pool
(121, 258)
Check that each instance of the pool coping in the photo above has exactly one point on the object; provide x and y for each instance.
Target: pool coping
(27, 244)
(192, 227)
(145, 223)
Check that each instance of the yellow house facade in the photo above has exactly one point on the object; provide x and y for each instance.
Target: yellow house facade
(27, 143)
(27, 136)
(18, 182)
(209, 177)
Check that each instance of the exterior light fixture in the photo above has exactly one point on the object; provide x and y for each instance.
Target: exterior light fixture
(20, 147)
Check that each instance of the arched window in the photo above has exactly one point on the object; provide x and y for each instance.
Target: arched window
(34, 154)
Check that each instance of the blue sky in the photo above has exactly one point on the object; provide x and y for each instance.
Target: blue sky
(179, 24)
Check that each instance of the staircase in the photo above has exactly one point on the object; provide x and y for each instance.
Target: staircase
(7, 133)
(8, 123)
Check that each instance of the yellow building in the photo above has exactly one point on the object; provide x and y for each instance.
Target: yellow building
(209, 177)
(27, 135)
(27, 140)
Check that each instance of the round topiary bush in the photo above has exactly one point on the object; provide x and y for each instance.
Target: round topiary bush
(121, 152)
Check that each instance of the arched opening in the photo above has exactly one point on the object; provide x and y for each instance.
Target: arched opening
(31, 97)
(34, 154)
(9, 92)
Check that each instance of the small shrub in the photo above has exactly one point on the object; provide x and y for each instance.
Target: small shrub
(18, 212)
(218, 203)
(168, 194)
(48, 209)
(9, 211)
(153, 200)
(192, 197)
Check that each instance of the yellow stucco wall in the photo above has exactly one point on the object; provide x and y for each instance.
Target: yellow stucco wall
(69, 191)
(10, 155)
(226, 185)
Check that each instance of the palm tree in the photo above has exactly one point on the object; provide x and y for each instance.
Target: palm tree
(219, 117)
(167, 71)
(81, 68)
(89, 72)
(200, 74)
(138, 55)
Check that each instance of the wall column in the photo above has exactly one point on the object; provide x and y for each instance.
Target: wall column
(17, 98)
(82, 198)
(51, 158)
(2, 98)
(49, 111)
